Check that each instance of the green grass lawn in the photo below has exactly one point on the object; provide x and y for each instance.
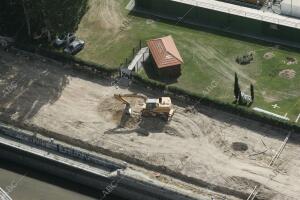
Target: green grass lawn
(209, 58)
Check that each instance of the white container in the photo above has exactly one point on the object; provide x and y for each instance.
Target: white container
(290, 8)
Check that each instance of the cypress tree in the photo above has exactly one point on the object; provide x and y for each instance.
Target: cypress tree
(237, 90)
(252, 92)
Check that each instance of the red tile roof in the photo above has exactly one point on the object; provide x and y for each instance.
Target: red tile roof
(164, 52)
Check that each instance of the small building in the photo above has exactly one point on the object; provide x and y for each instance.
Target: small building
(165, 57)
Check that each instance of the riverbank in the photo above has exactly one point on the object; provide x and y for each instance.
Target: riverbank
(120, 180)
(25, 183)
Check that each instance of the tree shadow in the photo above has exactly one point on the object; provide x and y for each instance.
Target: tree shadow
(11, 17)
(27, 85)
(146, 126)
(64, 15)
(57, 16)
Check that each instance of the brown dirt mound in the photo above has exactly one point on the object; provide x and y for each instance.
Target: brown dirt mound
(287, 74)
(114, 111)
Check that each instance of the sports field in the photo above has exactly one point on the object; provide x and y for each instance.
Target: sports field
(111, 33)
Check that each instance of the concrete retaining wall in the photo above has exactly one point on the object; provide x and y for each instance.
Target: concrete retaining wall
(127, 186)
(60, 148)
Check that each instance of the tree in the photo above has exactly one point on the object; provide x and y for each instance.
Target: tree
(27, 18)
(237, 90)
(39, 17)
(240, 98)
(252, 92)
(11, 17)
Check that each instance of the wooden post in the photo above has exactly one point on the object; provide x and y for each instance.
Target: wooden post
(140, 44)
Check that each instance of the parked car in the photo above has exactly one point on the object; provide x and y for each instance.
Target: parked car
(64, 40)
(5, 42)
(75, 47)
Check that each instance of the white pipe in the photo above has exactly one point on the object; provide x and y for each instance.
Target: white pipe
(270, 113)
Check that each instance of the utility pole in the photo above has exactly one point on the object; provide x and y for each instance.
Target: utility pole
(27, 18)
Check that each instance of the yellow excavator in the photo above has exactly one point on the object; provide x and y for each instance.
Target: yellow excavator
(161, 107)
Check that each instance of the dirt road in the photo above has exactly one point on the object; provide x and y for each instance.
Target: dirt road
(216, 148)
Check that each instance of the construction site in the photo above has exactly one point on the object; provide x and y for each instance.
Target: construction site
(211, 153)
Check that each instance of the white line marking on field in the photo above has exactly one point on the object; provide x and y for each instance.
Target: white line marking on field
(297, 118)
(275, 106)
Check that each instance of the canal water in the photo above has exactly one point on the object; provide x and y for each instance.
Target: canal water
(22, 183)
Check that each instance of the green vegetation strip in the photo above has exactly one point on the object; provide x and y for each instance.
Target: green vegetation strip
(75, 62)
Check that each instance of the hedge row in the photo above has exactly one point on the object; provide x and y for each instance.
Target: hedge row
(77, 62)
(214, 103)
(149, 82)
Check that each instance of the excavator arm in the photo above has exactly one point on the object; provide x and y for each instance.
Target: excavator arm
(120, 98)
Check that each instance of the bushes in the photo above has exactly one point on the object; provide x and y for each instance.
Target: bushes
(30, 18)
(149, 82)
(75, 62)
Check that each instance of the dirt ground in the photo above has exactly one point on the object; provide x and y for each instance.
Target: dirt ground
(217, 148)
(101, 12)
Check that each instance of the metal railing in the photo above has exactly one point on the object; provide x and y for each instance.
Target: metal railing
(135, 50)
(250, 13)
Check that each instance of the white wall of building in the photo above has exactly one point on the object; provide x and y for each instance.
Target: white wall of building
(290, 8)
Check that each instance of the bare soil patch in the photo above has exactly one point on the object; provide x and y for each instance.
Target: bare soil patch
(105, 14)
(207, 145)
(287, 74)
